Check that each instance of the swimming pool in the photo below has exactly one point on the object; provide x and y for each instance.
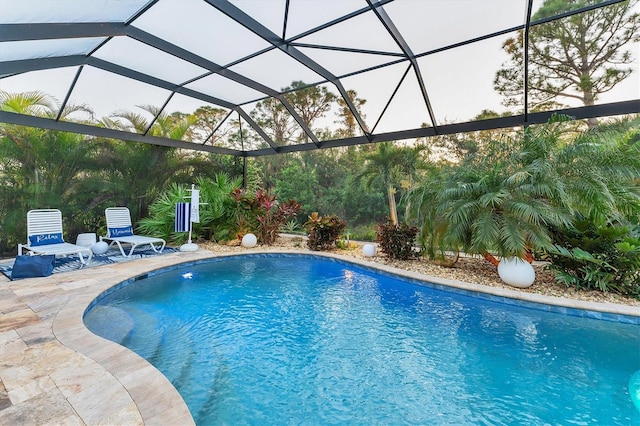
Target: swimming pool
(302, 339)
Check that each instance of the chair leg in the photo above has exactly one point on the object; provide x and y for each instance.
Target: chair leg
(121, 248)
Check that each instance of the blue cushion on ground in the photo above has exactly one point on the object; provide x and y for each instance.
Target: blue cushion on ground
(45, 239)
(121, 232)
(27, 266)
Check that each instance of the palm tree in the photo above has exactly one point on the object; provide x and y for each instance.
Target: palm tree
(139, 172)
(422, 209)
(33, 103)
(389, 165)
(507, 205)
(40, 168)
(498, 212)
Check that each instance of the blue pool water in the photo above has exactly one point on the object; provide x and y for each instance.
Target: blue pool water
(286, 339)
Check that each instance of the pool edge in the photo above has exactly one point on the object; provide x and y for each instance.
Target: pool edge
(155, 398)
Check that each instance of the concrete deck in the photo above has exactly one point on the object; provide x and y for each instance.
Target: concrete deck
(53, 370)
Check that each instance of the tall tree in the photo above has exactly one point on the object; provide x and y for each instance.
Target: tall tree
(311, 103)
(578, 57)
(207, 124)
(390, 164)
(275, 120)
(348, 125)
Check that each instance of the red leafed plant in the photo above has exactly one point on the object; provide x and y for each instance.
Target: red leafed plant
(323, 231)
(264, 213)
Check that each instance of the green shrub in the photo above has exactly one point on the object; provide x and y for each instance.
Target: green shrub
(291, 227)
(591, 256)
(397, 241)
(323, 231)
(363, 233)
(216, 210)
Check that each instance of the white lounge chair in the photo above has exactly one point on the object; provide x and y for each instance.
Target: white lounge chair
(120, 231)
(44, 236)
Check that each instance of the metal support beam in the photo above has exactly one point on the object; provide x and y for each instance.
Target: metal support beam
(159, 114)
(84, 129)
(517, 120)
(254, 26)
(393, 31)
(244, 172)
(525, 60)
(48, 31)
(346, 17)
(68, 95)
(213, 132)
(153, 81)
(391, 98)
(257, 128)
(25, 65)
(579, 113)
(188, 56)
(604, 110)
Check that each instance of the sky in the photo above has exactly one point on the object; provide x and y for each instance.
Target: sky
(459, 82)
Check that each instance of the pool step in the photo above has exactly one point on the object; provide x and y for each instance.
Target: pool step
(110, 322)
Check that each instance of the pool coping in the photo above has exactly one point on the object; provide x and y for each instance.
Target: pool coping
(145, 396)
(598, 310)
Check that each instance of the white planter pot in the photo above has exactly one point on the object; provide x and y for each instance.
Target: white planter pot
(516, 272)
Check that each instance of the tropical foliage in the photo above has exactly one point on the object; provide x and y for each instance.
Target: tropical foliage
(262, 214)
(597, 255)
(324, 231)
(500, 201)
(397, 241)
(513, 198)
(390, 164)
(216, 210)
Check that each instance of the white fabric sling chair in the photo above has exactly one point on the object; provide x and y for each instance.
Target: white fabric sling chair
(44, 236)
(120, 231)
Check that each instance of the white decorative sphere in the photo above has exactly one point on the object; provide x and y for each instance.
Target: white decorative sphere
(100, 247)
(249, 240)
(516, 272)
(369, 250)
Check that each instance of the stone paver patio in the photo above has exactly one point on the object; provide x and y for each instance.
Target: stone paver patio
(53, 370)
